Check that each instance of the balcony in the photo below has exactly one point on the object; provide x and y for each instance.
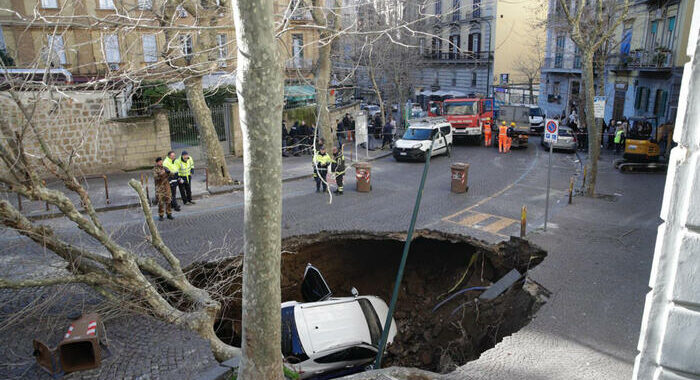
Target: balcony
(643, 60)
(480, 58)
(562, 64)
(302, 64)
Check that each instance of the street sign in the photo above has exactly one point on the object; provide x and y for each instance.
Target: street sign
(551, 131)
(599, 107)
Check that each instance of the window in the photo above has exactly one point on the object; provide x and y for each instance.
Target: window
(106, 4)
(298, 49)
(145, 4)
(186, 45)
(223, 49)
(671, 23)
(58, 53)
(660, 103)
(111, 46)
(577, 58)
(2, 40)
(421, 46)
(49, 3)
(456, 9)
(556, 91)
(474, 79)
(348, 354)
(438, 7)
(641, 101)
(559, 51)
(454, 46)
(150, 49)
(436, 47)
(476, 8)
(454, 79)
(474, 43)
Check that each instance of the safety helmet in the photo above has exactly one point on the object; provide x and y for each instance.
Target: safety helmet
(504, 122)
(512, 124)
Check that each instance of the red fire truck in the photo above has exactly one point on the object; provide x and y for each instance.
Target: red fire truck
(467, 116)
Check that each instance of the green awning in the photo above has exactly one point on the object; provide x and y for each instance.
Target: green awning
(299, 93)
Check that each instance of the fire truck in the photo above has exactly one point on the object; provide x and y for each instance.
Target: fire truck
(467, 116)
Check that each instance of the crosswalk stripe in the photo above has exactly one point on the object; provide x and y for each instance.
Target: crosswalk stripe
(473, 219)
(498, 225)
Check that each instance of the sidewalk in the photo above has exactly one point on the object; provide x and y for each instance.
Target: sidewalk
(121, 195)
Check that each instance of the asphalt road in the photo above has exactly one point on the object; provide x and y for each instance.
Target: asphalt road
(499, 185)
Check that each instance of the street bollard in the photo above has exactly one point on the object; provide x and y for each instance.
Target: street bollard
(523, 221)
(571, 189)
(584, 176)
(206, 178)
(104, 176)
(19, 202)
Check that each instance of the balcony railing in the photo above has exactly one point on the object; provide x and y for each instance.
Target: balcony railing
(562, 63)
(299, 64)
(482, 57)
(643, 59)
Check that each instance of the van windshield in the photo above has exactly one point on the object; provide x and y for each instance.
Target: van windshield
(291, 344)
(536, 111)
(461, 108)
(417, 134)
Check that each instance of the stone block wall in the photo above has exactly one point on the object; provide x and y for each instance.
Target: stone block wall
(669, 342)
(81, 125)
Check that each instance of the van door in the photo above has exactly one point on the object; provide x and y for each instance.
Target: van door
(439, 144)
(314, 287)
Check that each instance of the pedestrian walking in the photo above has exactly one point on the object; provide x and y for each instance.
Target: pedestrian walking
(386, 134)
(169, 163)
(161, 177)
(340, 132)
(321, 162)
(185, 167)
(338, 169)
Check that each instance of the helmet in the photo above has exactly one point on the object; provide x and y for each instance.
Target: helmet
(504, 122)
(512, 124)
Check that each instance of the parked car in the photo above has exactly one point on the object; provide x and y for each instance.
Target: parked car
(565, 140)
(372, 109)
(326, 335)
(416, 141)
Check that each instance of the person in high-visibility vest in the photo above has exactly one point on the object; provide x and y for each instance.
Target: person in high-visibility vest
(618, 139)
(338, 168)
(502, 137)
(185, 165)
(321, 162)
(169, 164)
(510, 132)
(487, 132)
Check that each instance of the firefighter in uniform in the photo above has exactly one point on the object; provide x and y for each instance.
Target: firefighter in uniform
(169, 163)
(338, 168)
(487, 132)
(321, 162)
(161, 176)
(502, 137)
(185, 167)
(510, 133)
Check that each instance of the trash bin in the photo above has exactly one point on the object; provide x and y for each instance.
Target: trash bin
(459, 177)
(362, 175)
(80, 347)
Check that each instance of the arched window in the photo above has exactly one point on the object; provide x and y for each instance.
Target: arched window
(455, 43)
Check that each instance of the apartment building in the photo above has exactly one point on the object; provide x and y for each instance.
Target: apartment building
(458, 57)
(94, 38)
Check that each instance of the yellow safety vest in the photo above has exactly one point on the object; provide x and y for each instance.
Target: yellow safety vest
(171, 165)
(618, 136)
(322, 160)
(184, 167)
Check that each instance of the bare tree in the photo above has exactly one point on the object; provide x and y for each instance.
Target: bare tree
(530, 65)
(590, 26)
(259, 86)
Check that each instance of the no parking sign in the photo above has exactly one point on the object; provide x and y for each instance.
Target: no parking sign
(551, 131)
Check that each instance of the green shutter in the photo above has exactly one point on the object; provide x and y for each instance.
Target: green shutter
(662, 104)
(638, 98)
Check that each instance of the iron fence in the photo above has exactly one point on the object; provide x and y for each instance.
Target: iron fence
(185, 133)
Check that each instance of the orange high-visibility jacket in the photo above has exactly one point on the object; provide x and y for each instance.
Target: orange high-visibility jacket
(502, 131)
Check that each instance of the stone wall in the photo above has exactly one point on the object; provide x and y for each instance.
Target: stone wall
(81, 125)
(669, 342)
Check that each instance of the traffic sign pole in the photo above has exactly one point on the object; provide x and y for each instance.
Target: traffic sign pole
(551, 135)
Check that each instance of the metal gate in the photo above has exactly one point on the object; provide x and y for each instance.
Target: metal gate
(185, 133)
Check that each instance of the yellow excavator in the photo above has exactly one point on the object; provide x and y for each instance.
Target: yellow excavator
(642, 149)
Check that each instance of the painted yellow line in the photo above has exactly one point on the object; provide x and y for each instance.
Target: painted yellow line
(473, 219)
(477, 204)
(498, 225)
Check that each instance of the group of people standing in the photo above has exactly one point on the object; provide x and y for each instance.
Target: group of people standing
(322, 162)
(170, 174)
(296, 140)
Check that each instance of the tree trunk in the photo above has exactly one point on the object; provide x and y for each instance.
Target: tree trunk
(592, 127)
(259, 84)
(216, 161)
(323, 68)
(532, 91)
(377, 91)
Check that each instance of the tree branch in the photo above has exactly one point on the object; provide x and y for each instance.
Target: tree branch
(90, 279)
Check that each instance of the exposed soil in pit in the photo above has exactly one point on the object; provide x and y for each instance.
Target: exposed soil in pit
(457, 332)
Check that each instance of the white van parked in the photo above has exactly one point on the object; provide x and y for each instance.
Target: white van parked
(415, 143)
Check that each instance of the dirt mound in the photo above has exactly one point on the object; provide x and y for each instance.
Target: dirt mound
(434, 332)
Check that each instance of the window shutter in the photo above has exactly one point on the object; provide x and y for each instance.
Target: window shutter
(477, 48)
(638, 99)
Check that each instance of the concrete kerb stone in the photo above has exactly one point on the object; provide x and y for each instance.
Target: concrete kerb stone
(213, 190)
(216, 373)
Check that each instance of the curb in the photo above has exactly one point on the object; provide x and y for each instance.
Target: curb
(217, 190)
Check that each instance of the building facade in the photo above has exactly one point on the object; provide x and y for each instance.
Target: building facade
(641, 76)
(93, 39)
(458, 49)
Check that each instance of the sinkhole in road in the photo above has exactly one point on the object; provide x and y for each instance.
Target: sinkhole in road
(438, 266)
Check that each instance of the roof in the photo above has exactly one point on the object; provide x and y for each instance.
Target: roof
(324, 325)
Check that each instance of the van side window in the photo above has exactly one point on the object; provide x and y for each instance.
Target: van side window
(446, 130)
